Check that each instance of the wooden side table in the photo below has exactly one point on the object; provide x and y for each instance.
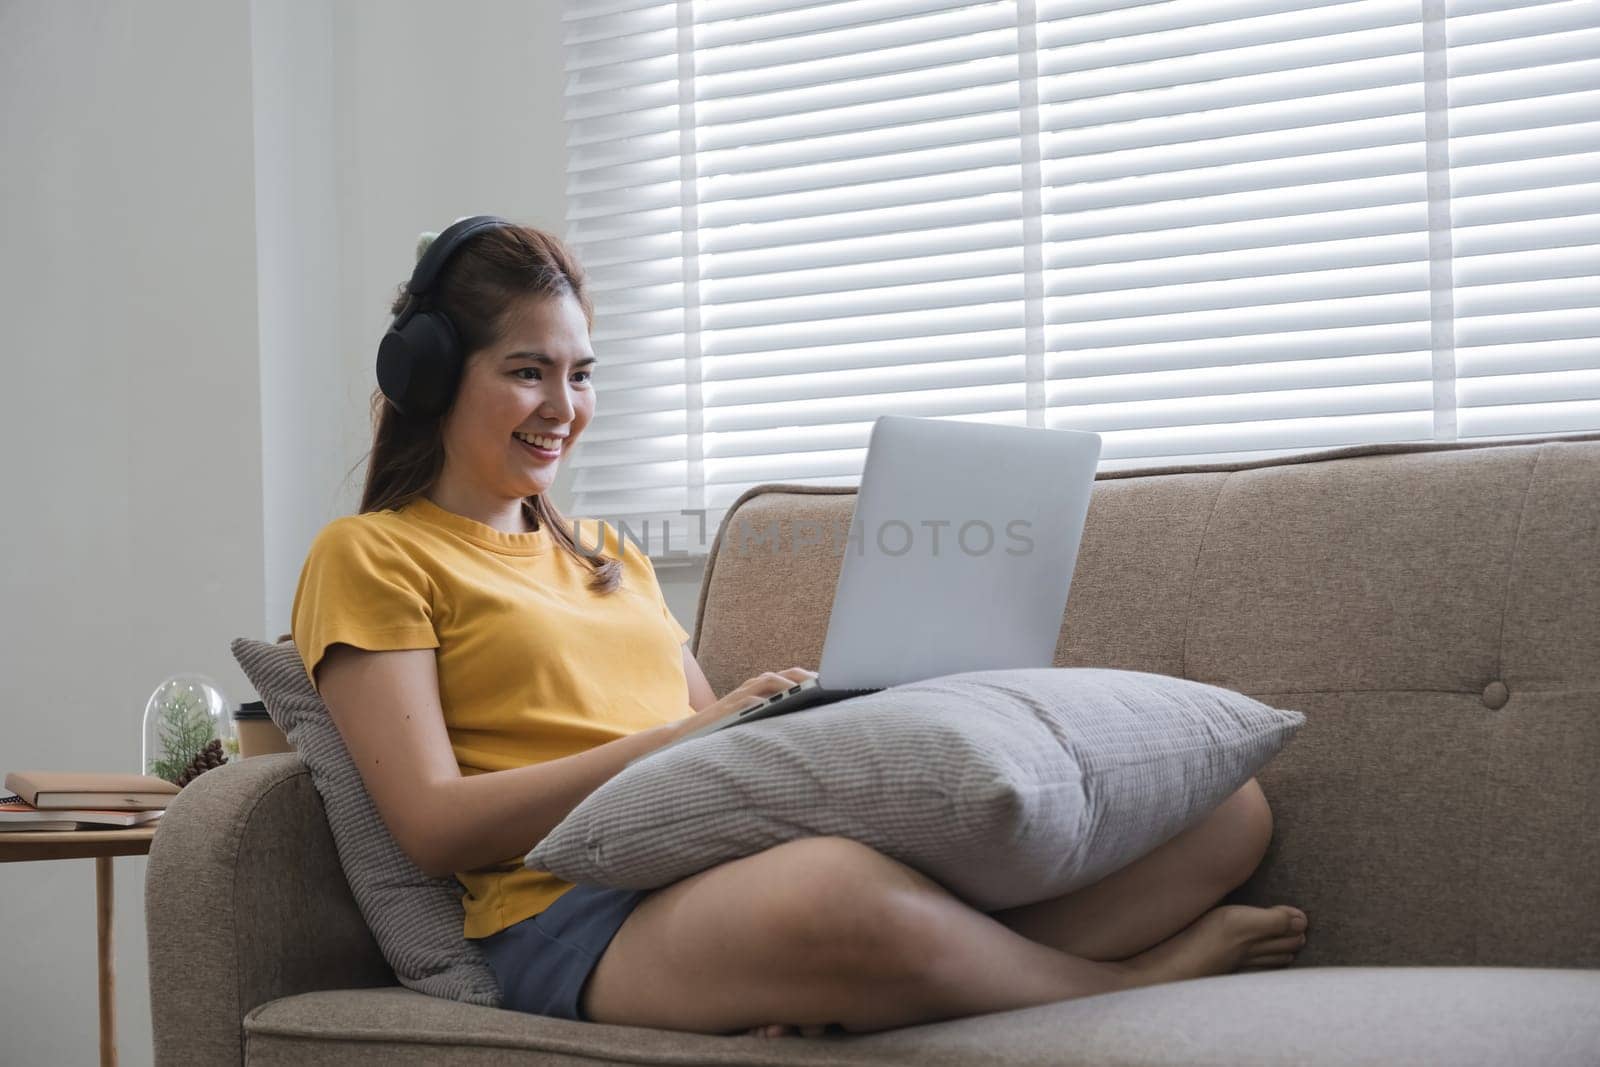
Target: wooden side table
(101, 845)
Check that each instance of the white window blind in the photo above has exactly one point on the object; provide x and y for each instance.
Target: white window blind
(1205, 229)
(1525, 215)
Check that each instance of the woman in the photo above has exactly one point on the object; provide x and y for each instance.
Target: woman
(489, 665)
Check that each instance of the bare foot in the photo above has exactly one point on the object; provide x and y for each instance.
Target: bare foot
(1222, 941)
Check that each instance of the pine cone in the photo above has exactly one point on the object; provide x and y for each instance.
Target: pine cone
(207, 758)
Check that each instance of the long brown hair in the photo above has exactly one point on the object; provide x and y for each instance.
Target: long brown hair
(475, 289)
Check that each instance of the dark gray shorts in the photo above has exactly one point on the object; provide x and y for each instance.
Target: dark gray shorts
(542, 962)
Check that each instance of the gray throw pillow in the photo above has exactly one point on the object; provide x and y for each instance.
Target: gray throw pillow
(1005, 786)
(416, 919)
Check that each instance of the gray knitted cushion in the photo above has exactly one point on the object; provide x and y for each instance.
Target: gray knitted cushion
(1005, 786)
(416, 920)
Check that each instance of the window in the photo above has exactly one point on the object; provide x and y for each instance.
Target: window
(1205, 229)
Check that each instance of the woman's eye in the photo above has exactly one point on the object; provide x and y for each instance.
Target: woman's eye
(587, 375)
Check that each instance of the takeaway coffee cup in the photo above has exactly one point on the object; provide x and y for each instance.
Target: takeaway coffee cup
(258, 735)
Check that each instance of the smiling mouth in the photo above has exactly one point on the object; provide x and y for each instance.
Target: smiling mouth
(542, 453)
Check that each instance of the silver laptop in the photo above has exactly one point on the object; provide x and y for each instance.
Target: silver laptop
(958, 558)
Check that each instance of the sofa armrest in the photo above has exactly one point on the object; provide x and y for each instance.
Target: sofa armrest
(245, 902)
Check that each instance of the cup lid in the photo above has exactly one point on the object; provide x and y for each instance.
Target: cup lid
(251, 709)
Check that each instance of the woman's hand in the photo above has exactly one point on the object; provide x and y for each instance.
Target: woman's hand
(749, 694)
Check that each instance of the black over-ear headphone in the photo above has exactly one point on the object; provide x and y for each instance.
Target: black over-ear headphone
(419, 359)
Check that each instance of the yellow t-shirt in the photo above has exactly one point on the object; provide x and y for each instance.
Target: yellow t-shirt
(533, 665)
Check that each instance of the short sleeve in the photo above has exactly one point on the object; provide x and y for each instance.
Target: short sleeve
(360, 587)
(660, 597)
(632, 553)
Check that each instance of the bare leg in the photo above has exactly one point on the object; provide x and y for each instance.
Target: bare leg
(815, 931)
(825, 930)
(1158, 894)
(1153, 899)
(978, 965)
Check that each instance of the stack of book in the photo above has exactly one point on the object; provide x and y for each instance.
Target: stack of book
(78, 800)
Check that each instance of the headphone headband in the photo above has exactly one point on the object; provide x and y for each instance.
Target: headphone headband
(419, 358)
(439, 250)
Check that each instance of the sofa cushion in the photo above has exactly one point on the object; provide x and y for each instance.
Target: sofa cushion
(1006, 786)
(1463, 1016)
(415, 919)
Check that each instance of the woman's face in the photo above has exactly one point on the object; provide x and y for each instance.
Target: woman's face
(534, 380)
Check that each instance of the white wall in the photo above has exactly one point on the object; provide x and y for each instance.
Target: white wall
(311, 409)
(130, 423)
(206, 206)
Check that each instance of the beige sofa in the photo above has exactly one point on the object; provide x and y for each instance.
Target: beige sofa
(1434, 610)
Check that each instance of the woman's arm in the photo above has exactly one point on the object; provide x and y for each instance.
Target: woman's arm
(700, 694)
(387, 709)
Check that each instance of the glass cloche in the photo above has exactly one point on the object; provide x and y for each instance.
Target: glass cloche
(188, 728)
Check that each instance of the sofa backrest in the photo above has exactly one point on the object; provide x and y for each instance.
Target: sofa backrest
(1433, 609)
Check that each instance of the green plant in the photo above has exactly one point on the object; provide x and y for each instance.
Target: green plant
(185, 727)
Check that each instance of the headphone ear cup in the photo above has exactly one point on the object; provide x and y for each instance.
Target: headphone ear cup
(419, 365)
